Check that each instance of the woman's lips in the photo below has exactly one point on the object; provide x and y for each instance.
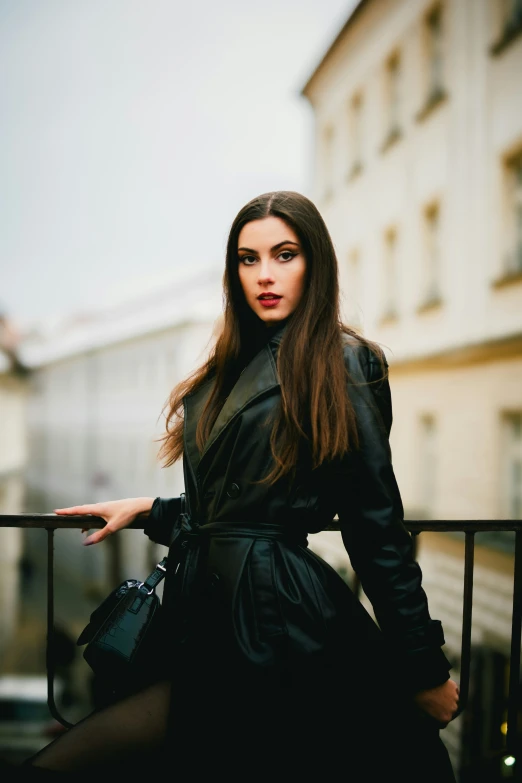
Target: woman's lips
(271, 302)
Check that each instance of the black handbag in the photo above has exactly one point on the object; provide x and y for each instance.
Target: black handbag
(122, 633)
(124, 637)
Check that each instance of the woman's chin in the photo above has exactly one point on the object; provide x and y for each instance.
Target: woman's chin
(272, 316)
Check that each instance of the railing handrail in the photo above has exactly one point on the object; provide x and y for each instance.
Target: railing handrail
(51, 522)
(58, 521)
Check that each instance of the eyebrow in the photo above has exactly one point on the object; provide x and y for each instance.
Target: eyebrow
(276, 247)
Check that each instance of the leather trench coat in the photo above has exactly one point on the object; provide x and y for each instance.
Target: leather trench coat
(243, 589)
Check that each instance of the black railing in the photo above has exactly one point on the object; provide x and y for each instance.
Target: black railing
(52, 522)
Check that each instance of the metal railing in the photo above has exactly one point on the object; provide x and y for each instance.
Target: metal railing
(52, 522)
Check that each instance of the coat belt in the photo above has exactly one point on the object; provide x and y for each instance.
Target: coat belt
(185, 531)
(262, 530)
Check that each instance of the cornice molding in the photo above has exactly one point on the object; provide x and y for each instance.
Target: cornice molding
(509, 347)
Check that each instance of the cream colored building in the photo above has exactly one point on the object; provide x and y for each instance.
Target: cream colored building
(418, 174)
(13, 402)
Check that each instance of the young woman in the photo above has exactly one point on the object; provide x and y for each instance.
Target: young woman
(270, 664)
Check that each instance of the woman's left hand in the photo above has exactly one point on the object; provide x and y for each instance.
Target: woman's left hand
(440, 703)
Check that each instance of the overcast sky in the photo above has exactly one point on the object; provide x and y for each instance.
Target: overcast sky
(132, 132)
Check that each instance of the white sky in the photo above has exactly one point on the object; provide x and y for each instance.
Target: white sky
(132, 131)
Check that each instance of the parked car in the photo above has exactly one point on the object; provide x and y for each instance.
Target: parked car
(26, 724)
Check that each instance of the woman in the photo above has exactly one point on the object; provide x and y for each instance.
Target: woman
(269, 659)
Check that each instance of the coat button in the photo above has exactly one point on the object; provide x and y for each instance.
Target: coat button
(233, 490)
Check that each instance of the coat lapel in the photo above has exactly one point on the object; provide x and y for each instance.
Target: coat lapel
(258, 378)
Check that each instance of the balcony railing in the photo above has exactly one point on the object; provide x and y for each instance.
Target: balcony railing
(52, 522)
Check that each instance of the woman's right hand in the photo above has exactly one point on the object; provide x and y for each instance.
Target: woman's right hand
(116, 513)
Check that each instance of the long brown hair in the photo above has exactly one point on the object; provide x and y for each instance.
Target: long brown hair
(315, 407)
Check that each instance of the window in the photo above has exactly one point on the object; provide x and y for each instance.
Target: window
(355, 135)
(428, 465)
(392, 100)
(390, 271)
(435, 52)
(432, 258)
(434, 61)
(509, 23)
(512, 14)
(328, 140)
(353, 289)
(513, 258)
(512, 468)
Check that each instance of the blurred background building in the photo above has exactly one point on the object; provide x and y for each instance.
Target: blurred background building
(95, 393)
(418, 171)
(13, 425)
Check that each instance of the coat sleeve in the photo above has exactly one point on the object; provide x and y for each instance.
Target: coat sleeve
(162, 515)
(371, 521)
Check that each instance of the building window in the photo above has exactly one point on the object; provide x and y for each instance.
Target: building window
(392, 100)
(435, 92)
(435, 52)
(328, 168)
(428, 465)
(509, 14)
(513, 256)
(432, 258)
(353, 289)
(390, 276)
(512, 467)
(512, 14)
(355, 110)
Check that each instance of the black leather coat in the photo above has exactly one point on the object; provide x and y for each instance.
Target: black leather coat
(251, 527)
(242, 581)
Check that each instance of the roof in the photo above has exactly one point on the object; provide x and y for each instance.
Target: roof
(192, 299)
(340, 35)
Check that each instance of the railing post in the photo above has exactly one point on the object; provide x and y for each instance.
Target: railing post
(467, 610)
(49, 651)
(514, 661)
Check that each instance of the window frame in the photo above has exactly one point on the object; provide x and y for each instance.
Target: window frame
(355, 120)
(509, 25)
(390, 277)
(392, 99)
(434, 91)
(431, 282)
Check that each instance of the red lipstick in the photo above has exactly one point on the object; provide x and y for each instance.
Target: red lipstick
(269, 299)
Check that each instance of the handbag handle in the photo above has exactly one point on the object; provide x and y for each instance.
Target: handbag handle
(153, 580)
(147, 587)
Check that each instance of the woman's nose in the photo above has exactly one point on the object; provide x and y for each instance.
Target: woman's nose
(265, 272)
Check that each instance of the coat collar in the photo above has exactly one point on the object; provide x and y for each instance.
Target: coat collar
(258, 378)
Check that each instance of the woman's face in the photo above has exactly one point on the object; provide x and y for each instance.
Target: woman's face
(272, 268)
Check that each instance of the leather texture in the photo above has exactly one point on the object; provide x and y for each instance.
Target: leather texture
(121, 635)
(242, 583)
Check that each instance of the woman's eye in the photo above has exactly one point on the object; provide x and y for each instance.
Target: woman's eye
(289, 255)
(248, 260)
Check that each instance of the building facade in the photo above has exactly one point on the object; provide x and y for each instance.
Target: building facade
(13, 450)
(97, 393)
(418, 174)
